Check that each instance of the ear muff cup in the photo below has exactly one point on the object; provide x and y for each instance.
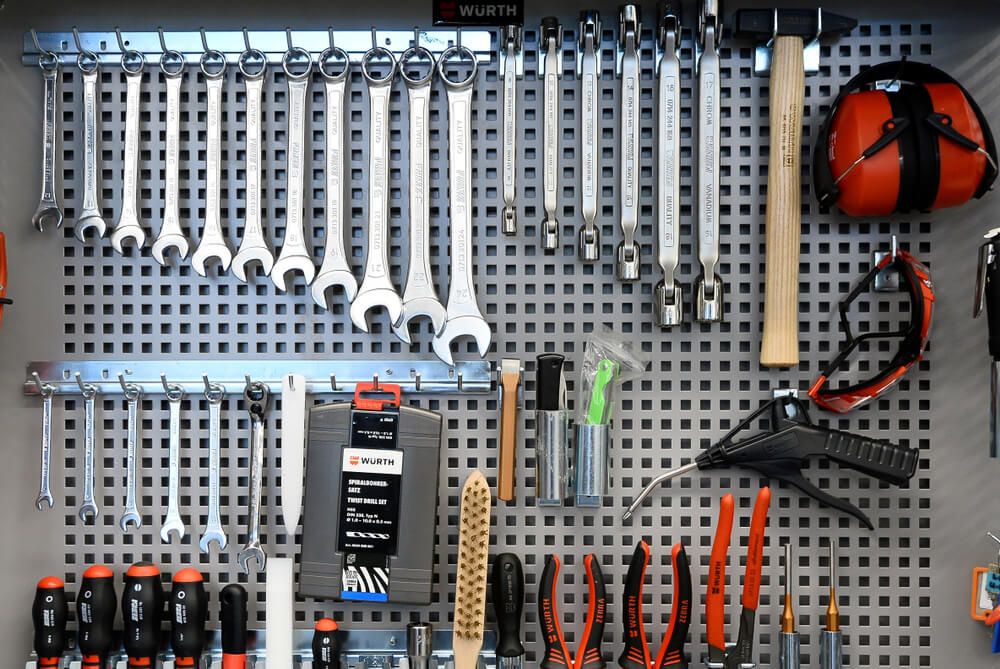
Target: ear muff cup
(963, 172)
(856, 126)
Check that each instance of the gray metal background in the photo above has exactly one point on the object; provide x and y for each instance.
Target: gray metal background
(80, 301)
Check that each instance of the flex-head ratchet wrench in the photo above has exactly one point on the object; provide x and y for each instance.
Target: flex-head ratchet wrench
(295, 255)
(709, 289)
(171, 236)
(668, 304)
(128, 226)
(376, 285)
(90, 212)
(630, 32)
(88, 507)
(214, 393)
(419, 297)
(464, 316)
(589, 69)
(213, 243)
(44, 494)
(253, 247)
(511, 67)
(48, 211)
(256, 397)
(335, 269)
(551, 43)
(131, 515)
(172, 522)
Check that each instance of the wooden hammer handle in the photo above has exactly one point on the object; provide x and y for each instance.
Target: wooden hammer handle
(783, 221)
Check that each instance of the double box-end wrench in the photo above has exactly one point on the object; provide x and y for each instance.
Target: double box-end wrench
(171, 236)
(376, 285)
(419, 297)
(213, 243)
(551, 44)
(464, 316)
(256, 396)
(335, 269)
(295, 256)
(668, 305)
(88, 507)
(214, 394)
(48, 211)
(172, 522)
(709, 289)
(44, 494)
(90, 212)
(629, 34)
(589, 69)
(128, 226)
(131, 515)
(511, 67)
(253, 247)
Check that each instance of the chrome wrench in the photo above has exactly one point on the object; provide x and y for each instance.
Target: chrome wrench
(335, 269)
(214, 393)
(419, 297)
(256, 398)
(90, 212)
(131, 515)
(44, 495)
(295, 256)
(48, 210)
(171, 236)
(630, 32)
(172, 522)
(88, 508)
(668, 303)
(551, 42)
(376, 285)
(464, 316)
(128, 226)
(589, 69)
(511, 67)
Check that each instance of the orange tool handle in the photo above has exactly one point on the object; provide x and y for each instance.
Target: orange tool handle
(715, 601)
(234, 661)
(755, 550)
(589, 655)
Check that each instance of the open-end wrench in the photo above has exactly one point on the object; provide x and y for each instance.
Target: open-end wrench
(213, 243)
(295, 255)
(131, 515)
(44, 494)
(214, 393)
(48, 211)
(668, 305)
(128, 226)
(464, 316)
(709, 289)
(511, 67)
(171, 236)
(256, 397)
(419, 297)
(90, 213)
(335, 269)
(629, 34)
(376, 285)
(551, 43)
(172, 522)
(589, 70)
(88, 507)
(254, 246)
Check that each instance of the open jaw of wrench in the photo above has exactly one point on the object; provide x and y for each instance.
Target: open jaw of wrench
(131, 515)
(589, 69)
(630, 30)
(256, 398)
(172, 522)
(90, 213)
(419, 297)
(213, 528)
(44, 494)
(335, 269)
(89, 508)
(376, 285)
(128, 226)
(295, 255)
(48, 211)
(171, 236)
(551, 42)
(511, 67)
(213, 243)
(668, 304)
(464, 316)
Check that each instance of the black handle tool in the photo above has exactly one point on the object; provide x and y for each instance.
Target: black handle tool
(49, 613)
(988, 296)
(326, 645)
(234, 626)
(142, 614)
(508, 603)
(188, 613)
(95, 615)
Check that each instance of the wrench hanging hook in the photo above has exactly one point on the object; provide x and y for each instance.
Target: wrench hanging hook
(47, 60)
(86, 59)
(171, 60)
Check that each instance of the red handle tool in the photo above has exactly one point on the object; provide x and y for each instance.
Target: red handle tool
(142, 614)
(95, 614)
(188, 613)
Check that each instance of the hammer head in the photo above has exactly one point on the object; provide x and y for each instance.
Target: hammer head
(763, 24)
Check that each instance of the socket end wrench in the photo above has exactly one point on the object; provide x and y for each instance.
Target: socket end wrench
(550, 234)
(628, 262)
(668, 304)
(589, 243)
(509, 220)
(709, 303)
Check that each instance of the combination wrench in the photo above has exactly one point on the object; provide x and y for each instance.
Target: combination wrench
(47, 390)
(253, 247)
(335, 269)
(213, 243)
(214, 394)
(419, 297)
(376, 285)
(48, 211)
(630, 31)
(295, 256)
(464, 316)
(88, 507)
(131, 515)
(668, 304)
(589, 69)
(511, 67)
(551, 42)
(171, 236)
(90, 211)
(128, 226)
(172, 522)
(256, 397)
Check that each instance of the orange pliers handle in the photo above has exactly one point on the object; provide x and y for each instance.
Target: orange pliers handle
(4, 300)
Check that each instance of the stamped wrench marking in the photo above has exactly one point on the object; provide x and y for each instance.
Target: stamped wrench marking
(44, 494)
(511, 65)
(48, 211)
(90, 212)
(628, 266)
(213, 529)
(172, 522)
(131, 515)
(88, 508)
(171, 235)
(213, 243)
(256, 398)
(551, 42)
(128, 226)
(589, 67)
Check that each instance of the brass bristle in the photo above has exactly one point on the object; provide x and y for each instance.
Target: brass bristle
(473, 555)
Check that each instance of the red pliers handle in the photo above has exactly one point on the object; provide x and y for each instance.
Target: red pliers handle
(4, 300)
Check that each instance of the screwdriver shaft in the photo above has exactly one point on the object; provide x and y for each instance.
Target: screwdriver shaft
(789, 647)
(830, 638)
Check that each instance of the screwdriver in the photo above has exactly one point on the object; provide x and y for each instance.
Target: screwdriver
(508, 602)
(788, 642)
(234, 626)
(49, 613)
(326, 645)
(188, 613)
(95, 616)
(829, 642)
(142, 613)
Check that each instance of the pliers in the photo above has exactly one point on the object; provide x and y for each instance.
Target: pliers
(557, 655)
(671, 654)
(740, 655)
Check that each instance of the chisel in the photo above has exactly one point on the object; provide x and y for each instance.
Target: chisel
(49, 613)
(508, 602)
(188, 613)
(142, 613)
(234, 626)
(326, 645)
(95, 615)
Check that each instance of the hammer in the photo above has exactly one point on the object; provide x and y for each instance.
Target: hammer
(787, 57)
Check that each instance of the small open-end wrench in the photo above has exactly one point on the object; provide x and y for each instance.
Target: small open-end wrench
(171, 236)
(419, 297)
(709, 289)
(335, 269)
(256, 397)
(90, 213)
(214, 393)
(511, 67)
(48, 211)
(295, 255)
(131, 515)
(88, 507)
(376, 285)
(172, 522)
(213, 243)
(589, 70)
(254, 246)
(551, 43)
(128, 226)
(464, 316)
(629, 34)
(668, 304)
(44, 494)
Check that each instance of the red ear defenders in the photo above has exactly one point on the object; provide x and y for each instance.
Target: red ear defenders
(926, 146)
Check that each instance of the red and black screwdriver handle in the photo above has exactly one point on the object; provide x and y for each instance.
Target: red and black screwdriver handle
(142, 614)
(49, 613)
(326, 645)
(96, 604)
(188, 613)
(588, 655)
(234, 626)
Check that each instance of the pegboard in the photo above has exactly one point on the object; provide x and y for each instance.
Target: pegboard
(703, 378)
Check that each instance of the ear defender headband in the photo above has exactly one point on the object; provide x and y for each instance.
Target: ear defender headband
(926, 146)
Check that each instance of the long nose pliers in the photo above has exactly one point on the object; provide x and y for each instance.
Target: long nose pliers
(557, 655)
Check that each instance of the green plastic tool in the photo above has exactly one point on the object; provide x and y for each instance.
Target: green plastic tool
(599, 410)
